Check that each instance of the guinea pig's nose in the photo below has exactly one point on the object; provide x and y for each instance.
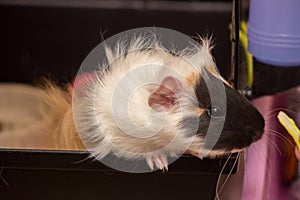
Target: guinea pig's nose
(261, 122)
(257, 121)
(255, 126)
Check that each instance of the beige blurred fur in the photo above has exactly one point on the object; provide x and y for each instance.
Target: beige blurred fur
(56, 110)
(37, 117)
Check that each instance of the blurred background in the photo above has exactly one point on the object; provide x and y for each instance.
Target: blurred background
(53, 37)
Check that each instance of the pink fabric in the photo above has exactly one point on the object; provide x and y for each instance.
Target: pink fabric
(263, 179)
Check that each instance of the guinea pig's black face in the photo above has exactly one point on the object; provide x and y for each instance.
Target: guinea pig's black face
(239, 123)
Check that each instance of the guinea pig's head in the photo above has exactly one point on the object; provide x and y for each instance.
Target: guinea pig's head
(228, 122)
(224, 121)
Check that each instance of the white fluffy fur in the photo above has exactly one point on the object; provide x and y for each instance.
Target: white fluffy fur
(99, 127)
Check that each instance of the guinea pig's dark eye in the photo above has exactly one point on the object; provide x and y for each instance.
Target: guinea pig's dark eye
(215, 111)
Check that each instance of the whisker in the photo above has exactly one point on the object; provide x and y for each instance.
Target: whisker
(294, 105)
(273, 112)
(279, 135)
(253, 190)
(274, 144)
(219, 177)
(2, 178)
(218, 191)
(134, 167)
(258, 72)
(255, 77)
(250, 190)
(288, 141)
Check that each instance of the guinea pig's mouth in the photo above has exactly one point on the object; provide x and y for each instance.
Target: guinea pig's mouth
(229, 142)
(233, 143)
(215, 153)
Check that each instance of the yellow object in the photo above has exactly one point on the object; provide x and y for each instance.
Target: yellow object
(244, 44)
(290, 125)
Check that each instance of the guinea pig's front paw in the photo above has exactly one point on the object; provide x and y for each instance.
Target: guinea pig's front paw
(158, 160)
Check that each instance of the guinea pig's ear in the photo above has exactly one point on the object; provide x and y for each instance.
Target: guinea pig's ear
(165, 96)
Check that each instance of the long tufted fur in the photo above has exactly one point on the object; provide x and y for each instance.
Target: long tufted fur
(94, 112)
(101, 107)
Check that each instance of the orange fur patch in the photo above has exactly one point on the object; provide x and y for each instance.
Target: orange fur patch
(216, 73)
(212, 70)
(193, 78)
(200, 111)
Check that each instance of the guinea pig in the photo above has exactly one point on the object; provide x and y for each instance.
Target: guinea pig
(151, 103)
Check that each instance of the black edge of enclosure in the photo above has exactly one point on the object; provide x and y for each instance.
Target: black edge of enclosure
(80, 160)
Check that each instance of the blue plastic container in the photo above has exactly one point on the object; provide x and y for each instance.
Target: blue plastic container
(274, 31)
